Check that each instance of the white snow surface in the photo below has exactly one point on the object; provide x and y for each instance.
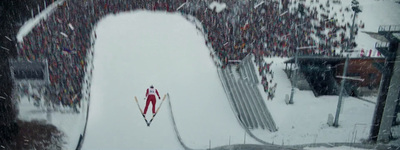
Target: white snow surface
(31, 23)
(142, 48)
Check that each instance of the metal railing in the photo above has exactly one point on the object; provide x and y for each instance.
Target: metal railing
(248, 102)
(381, 45)
(256, 106)
(389, 28)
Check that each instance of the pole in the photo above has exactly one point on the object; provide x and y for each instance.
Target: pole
(339, 105)
(392, 98)
(351, 32)
(294, 76)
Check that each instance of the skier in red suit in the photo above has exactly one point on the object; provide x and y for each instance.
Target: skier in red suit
(151, 97)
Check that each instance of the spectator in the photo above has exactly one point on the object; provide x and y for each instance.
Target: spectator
(233, 33)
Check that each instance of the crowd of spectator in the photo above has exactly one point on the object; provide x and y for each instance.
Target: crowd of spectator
(64, 38)
(267, 76)
(266, 31)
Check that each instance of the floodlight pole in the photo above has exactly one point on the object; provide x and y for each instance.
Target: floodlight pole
(293, 76)
(295, 73)
(339, 105)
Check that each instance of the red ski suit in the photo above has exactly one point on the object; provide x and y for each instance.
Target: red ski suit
(151, 97)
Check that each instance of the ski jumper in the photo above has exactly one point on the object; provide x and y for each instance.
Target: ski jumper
(151, 97)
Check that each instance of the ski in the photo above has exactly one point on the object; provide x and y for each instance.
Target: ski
(141, 111)
(151, 120)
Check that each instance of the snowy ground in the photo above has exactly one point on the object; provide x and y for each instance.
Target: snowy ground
(306, 120)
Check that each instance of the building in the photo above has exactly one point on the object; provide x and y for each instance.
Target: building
(324, 74)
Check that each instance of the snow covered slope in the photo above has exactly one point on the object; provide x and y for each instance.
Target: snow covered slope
(142, 48)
